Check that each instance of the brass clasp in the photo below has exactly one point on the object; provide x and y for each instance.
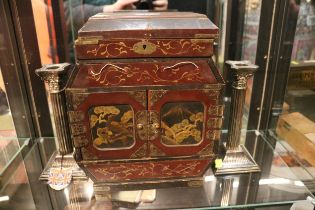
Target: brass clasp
(148, 125)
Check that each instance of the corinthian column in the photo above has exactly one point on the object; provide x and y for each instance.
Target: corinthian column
(237, 158)
(61, 163)
(56, 76)
(241, 71)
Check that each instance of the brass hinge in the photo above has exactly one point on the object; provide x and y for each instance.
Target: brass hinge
(205, 36)
(88, 40)
(202, 40)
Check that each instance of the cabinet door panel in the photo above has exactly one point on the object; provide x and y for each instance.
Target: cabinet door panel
(109, 124)
(184, 122)
(112, 126)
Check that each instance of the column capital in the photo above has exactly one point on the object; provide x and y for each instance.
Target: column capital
(55, 75)
(241, 72)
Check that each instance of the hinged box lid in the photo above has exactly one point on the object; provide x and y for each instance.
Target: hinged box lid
(139, 24)
(146, 34)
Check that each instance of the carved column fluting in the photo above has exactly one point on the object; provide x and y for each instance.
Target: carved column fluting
(56, 76)
(241, 71)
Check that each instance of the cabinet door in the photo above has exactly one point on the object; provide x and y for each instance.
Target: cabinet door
(182, 122)
(107, 129)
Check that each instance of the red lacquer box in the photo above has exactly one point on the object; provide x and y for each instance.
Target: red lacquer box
(144, 101)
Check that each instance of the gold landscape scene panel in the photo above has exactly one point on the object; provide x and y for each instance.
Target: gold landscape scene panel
(182, 123)
(111, 126)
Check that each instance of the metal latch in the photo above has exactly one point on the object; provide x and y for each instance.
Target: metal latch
(148, 125)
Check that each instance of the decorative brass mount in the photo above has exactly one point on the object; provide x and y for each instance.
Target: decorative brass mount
(237, 158)
(148, 125)
(67, 161)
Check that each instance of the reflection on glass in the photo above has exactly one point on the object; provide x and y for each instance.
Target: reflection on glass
(78, 12)
(17, 194)
(182, 122)
(296, 125)
(249, 49)
(304, 40)
(46, 37)
(14, 186)
(7, 128)
(251, 27)
(42, 31)
(111, 126)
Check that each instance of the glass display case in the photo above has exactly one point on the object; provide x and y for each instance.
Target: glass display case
(295, 126)
(276, 186)
(278, 123)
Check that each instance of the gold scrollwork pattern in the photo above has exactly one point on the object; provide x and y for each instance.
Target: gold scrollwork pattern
(149, 169)
(215, 122)
(179, 47)
(155, 152)
(112, 74)
(145, 47)
(118, 49)
(77, 129)
(78, 99)
(207, 151)
(214, 134)
(80, 141)
(140, 97)
(156, 95)
(75, 116)
(212, 94)
(216, 110)
(141, 152)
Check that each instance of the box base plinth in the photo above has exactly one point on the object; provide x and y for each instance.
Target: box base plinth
(145, 175)
(237, 161)
(103, 191)
(67, 162)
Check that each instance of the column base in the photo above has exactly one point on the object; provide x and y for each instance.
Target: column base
(68, 162)
(236, 162)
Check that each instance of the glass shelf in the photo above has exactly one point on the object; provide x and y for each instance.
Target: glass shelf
(11, 154)
(299, 166)
(13, 171)
(275, 185)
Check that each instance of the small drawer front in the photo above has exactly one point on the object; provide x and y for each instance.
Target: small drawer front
(75, 116)
(135, 48)
(121, 73)
(78, 128)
